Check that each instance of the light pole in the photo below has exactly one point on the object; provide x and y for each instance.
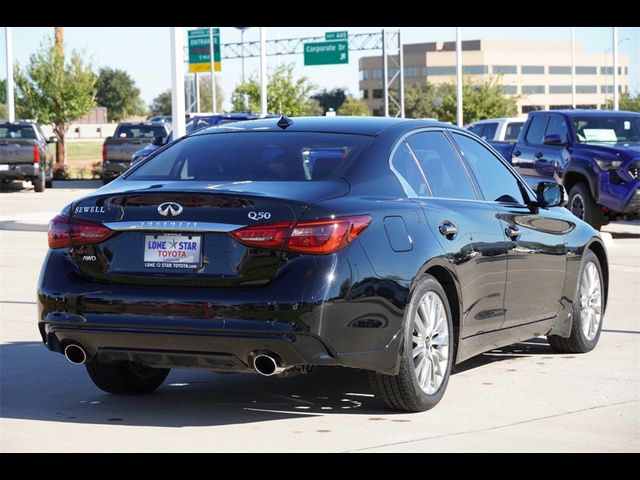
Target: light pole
(242, 29)
(614, 70)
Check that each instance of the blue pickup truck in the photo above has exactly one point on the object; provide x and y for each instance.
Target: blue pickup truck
(595, 154)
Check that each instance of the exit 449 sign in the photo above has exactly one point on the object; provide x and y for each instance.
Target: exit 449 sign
(333, 51)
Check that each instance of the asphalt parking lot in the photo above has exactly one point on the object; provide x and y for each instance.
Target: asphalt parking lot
(520, 398)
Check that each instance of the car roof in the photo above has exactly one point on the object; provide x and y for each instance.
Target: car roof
(506, 119)
(350, 125)
(589, 112)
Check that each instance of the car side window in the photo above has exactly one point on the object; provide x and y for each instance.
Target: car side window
(489, 131)
(497, 183)
(441, 165)
(476, 128)
(535, 133)
(558, 126)
(408, 172)
(513, 131)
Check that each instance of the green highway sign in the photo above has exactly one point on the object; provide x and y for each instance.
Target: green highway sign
(336, 35)
(326, 53)
(200, 50)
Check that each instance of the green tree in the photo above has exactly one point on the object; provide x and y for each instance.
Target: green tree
(418, 101)
(313, 109)
(331, 98)
(117, 91)
(285, 94)
(626, 101)
(3, 98)
(205, 93)
(480, 100)
(353, 106)
(161, 105)
(54, 90)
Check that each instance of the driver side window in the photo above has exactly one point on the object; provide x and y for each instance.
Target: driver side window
(496, 181)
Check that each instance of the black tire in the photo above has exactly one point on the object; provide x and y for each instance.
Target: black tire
(578, 342)
(126, 378)
(403, 391)
(39, 183)
(583, 206)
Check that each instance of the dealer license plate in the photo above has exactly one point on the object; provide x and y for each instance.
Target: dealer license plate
(172, 251)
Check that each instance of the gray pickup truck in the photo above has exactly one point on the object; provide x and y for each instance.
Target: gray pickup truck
(128, 138)
(25, 154)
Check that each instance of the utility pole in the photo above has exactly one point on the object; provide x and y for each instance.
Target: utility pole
(385, 75)
(573, 68)
(615, 68)
(9, 44)
(177, 82)
(214, 101)
(459, 76)
(61, 151)
(263, 71)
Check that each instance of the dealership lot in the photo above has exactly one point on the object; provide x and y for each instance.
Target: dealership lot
(520, 398)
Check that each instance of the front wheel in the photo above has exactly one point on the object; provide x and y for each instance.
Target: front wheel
(588, 309)
(426, 355)
(128, 378)
(583, 206)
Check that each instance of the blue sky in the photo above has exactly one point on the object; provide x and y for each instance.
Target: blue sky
(144, 51)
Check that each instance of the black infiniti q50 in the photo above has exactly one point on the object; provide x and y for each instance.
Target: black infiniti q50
(400, 247)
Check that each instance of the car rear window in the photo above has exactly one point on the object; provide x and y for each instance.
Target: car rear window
(254, 156)
(140, 131)
(16, 131)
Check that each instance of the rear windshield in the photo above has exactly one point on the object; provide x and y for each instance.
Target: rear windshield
(17, 131)
(140, 131)
(253, 156)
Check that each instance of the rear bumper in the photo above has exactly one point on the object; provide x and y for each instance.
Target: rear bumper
(20, 172)
(114, 168)
(298, 316)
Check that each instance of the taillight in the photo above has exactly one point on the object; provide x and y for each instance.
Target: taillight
(36, 154)
(318, 237)
(66, 232)
(104, 152)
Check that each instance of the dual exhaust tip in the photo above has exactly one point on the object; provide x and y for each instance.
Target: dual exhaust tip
(266, 364)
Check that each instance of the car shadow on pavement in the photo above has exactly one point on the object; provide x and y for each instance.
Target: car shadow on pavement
(533, 347)
(36, 384)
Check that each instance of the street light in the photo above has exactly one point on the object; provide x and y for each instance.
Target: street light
(613, 70)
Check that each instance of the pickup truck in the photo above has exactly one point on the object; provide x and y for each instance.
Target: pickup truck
(128, 138)
(25, 154)
(594, 154)
(501, 132)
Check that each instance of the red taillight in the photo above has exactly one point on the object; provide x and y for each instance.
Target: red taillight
(104, 152)
(318, 237)
(66, 232)
(269, 236)
(36, 154)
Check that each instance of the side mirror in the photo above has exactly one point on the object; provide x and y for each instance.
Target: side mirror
(550, 194)
(158, 141)
(52, 140)
(553, 139)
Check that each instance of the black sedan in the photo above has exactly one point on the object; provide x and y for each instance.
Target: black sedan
(400, 247)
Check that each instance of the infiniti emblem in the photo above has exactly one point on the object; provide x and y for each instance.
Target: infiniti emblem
(169, 209)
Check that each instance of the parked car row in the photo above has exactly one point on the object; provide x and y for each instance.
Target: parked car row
(595, 154)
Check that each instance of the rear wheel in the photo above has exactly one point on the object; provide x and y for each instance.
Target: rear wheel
(426, 355)
(583, 206)
(39, 183)
(588, 309)
(129, 378)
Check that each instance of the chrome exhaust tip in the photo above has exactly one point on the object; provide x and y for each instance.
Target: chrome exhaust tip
(75, 354)
(267, 365)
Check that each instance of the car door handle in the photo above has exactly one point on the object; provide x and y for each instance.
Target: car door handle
(448, 230)
(538, 154)
(512, 233)
(517, 153)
